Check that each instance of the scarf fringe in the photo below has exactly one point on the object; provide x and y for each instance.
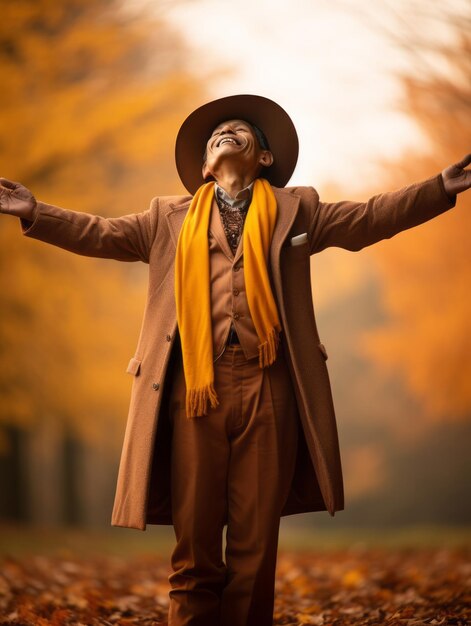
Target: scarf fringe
(197, 400)
(268, 349)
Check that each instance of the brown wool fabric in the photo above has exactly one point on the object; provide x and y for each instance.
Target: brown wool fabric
(242, 458)
(143, 491)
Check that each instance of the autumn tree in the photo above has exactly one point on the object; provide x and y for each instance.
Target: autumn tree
(426, 273)
(92, 97)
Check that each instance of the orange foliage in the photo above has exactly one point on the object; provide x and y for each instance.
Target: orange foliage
(425, 273)
(91, 102)
(361, 585)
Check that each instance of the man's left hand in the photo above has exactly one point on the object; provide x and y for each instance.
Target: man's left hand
(455, 178)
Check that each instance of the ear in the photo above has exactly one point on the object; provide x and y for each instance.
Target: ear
(266, 158)
(205, 171)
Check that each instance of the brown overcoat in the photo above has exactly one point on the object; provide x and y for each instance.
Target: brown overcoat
(143, 486)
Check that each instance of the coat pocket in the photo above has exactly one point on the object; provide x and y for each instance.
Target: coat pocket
(134, 366)
(298, 240)
(296, 254)
(323, 350)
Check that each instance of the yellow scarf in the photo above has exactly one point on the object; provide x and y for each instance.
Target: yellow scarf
(192, 290)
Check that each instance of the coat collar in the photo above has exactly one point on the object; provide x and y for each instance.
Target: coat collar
(288, 206)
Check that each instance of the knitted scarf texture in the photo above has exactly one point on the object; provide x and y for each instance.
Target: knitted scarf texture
(192, 290)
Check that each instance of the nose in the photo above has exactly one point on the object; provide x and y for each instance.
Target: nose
(227, 128)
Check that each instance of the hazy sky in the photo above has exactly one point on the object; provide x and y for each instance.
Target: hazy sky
(326, 65)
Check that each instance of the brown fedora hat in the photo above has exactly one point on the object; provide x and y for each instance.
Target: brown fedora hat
(272, 120)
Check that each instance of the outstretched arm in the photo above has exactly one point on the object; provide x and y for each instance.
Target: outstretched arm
(455, 178)
(126, 238)
(16, 199)
(355, 225)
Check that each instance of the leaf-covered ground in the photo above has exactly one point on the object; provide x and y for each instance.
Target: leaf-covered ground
(376, 586)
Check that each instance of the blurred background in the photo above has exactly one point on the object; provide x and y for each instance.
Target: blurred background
(93, 93)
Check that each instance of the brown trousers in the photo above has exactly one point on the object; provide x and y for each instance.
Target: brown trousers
(237, 460)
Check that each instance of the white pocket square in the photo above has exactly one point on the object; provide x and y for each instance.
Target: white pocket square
(299, 239)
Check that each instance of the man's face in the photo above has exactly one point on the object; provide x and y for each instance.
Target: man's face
(235, 141)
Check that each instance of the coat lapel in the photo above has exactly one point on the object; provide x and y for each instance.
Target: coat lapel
(175, 218)
(287, 204)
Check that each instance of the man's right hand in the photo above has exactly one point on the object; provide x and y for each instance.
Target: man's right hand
(16, 199)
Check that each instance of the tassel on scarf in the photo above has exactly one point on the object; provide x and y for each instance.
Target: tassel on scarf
(267, 350)
(197, 400)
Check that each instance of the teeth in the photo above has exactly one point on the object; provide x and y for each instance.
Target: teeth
(227, 140)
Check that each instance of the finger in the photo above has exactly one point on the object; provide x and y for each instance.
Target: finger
(9, 184)
(463, 163)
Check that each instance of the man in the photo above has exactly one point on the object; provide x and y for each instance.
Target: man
(231, 418)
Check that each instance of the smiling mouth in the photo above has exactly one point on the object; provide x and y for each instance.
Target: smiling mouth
(227, 140)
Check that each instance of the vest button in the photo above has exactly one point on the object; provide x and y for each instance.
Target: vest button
(235, 292)
(155, 386)
(236, 268)
(169, 337)
(236, 316)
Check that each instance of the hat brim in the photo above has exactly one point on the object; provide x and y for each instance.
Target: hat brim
(269, 116)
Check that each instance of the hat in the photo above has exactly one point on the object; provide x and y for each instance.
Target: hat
(272, 120)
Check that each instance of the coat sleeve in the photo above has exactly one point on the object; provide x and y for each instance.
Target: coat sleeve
(355, 225)
(125, 238)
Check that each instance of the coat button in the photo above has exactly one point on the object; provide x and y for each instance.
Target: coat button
(236, 316)
(235, 292)
(169, 337)
(155, 386)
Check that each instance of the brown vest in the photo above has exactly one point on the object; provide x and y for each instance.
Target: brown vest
(228, 295)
